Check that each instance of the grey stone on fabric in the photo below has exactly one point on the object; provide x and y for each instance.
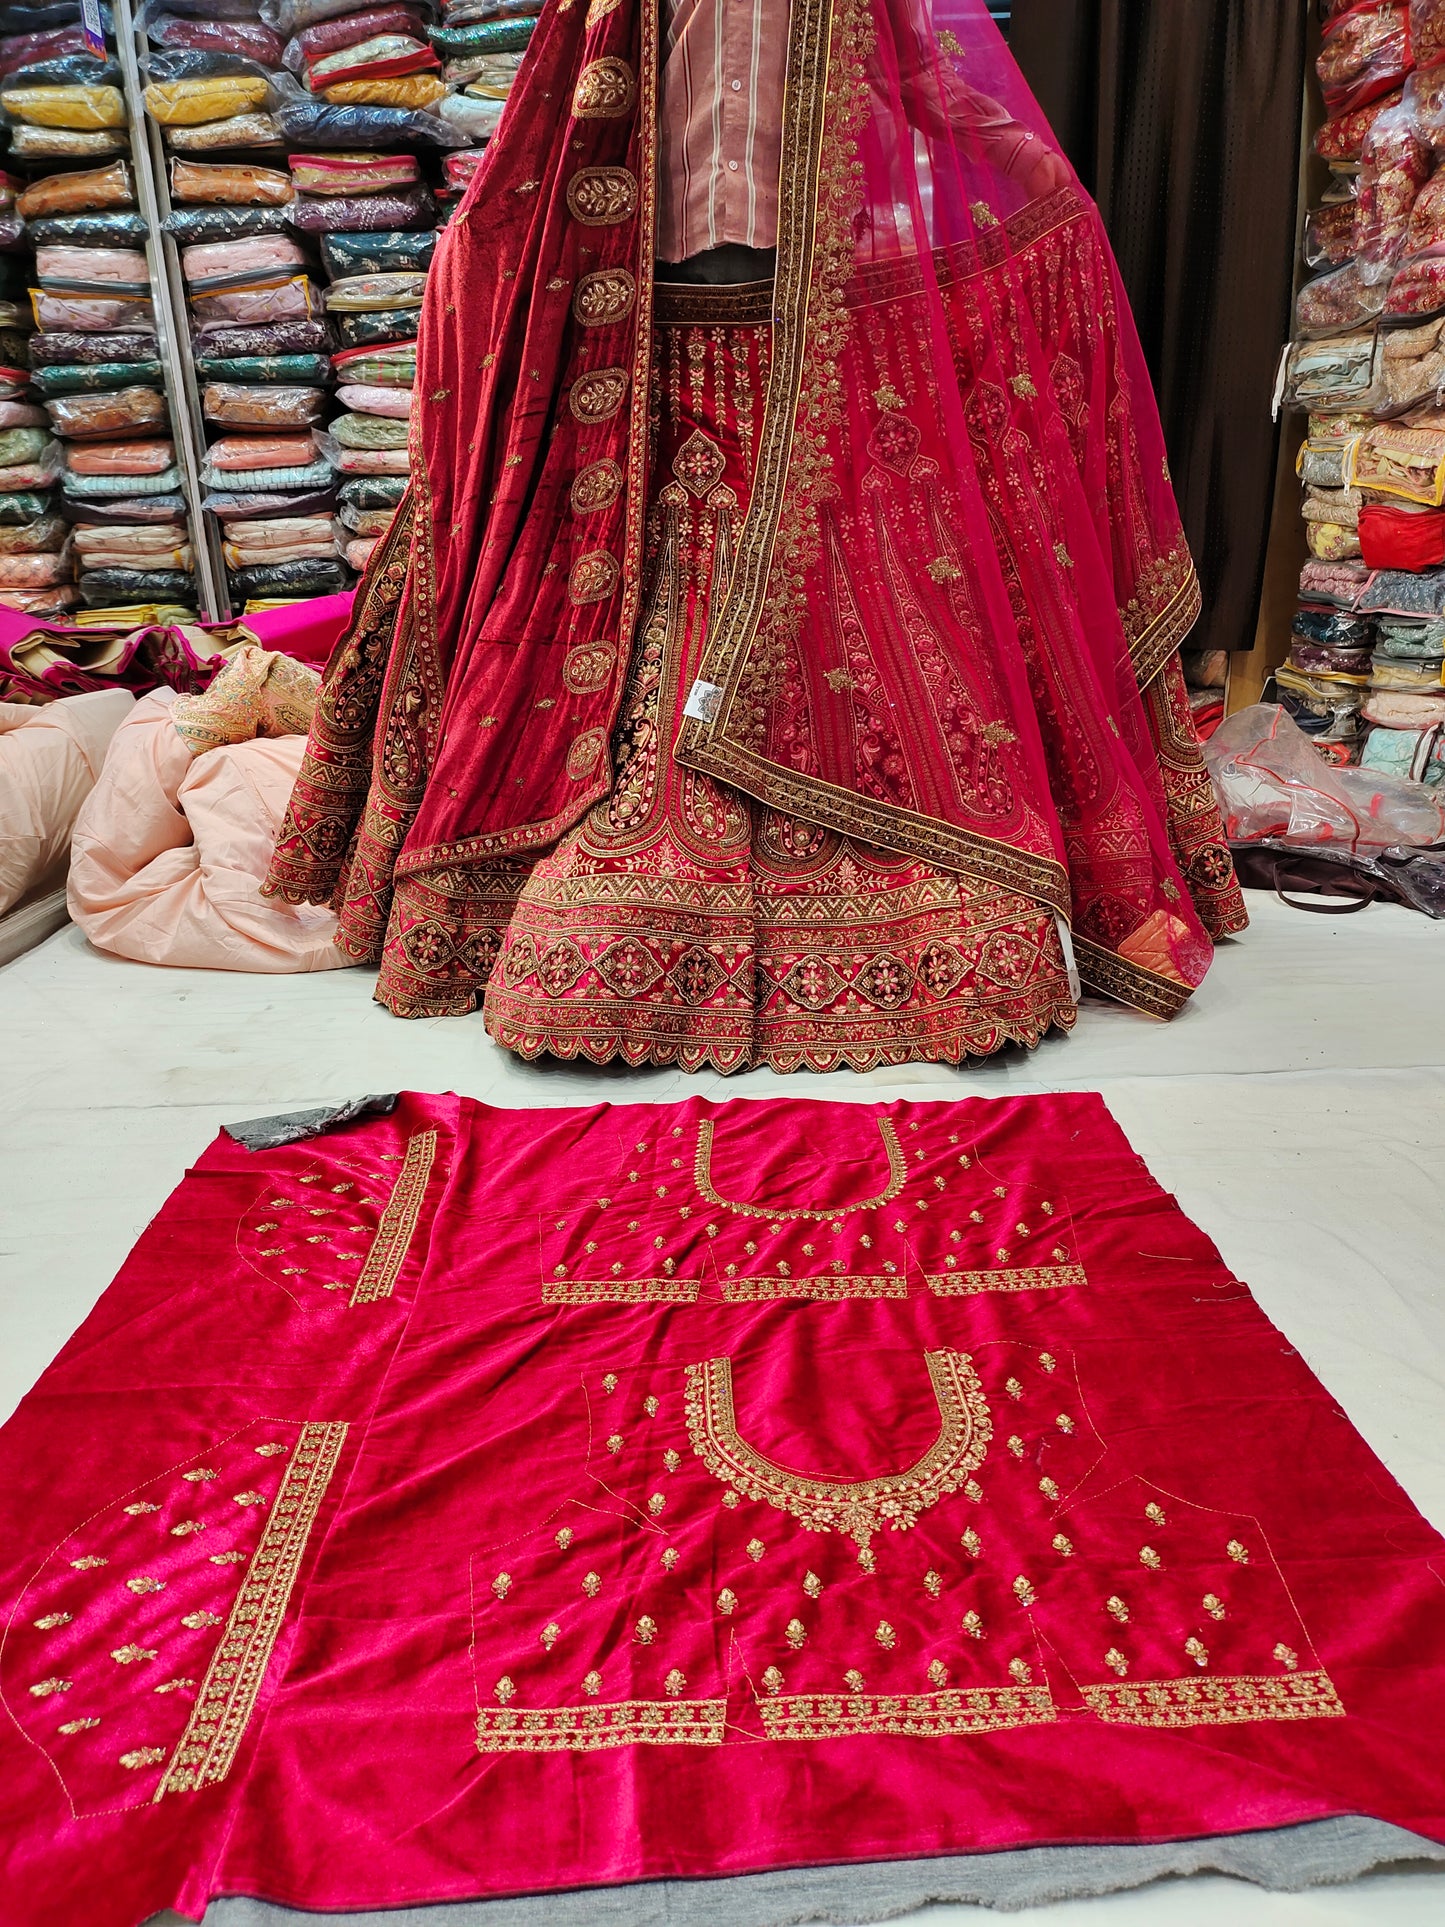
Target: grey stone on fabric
(1282, 1859)
(266, 1133)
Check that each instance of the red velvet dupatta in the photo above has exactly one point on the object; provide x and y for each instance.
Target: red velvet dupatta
(470, 1502)
(960, 583)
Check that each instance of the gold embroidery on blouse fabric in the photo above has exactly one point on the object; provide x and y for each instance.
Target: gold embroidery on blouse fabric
(963, 1284)
(590, 1729)
(897, 1178)
(856, 1507)
(1224, 1701)
(228, 1695)
(827, 1287)
(398, 1222)
(619, 1291)
(924, 1716)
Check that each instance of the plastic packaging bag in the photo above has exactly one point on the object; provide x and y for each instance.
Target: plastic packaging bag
(316, 123)
(101, 587)
(1427, 32)
(311, 371)
(394, 403)
(1413, 365)
(71, 270)
(402, 90)
(66, 346)
(158, 507)
(461, 13)
(1272, 783)
(34, 571)
(1365, 52)
(240, 405)
(1340, 372)
(241, 130)
(364, 330)
(261, 451)
(247, 37)
(1417, 289)
(90, 189)
(1416, 755)
(1395, 165)
(87, 313)
(459, 169)
(367, 522)
(369, 431)
(319, 474)
(83, 109)
(191, 224)
(192, 103)
(366, 461)
(86, 230)
(1332, 630)
(378, 367)
(1339, 583)
(252, 308)
(1338, 302)
(387, 252)
(230, 505)
(358, 552)
(67, 70)
(119, 458)
(371, 293)
(158, 543)
(1401, 592)
(40, 602)
(1343, 137)
(196, 63)
(379, 57)
(230, 184)
(1330, 542)
(64, 143)
(485, 37)
(22, 414)
(259, 261)
(312, 577)
(166, 483)
(488, 76)
(44, 534)
(279, 338)
(328, 36)
(472, 115)
(37, 472)
(124, 411)
(1393, 458)
(345, 174)
(23, 445)
(372, 491)
(21, 508)
(368, 213)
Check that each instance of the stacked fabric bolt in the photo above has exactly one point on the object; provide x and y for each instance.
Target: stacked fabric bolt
(482, 43)
(1368, 364)
(36, 570)
(94, 363)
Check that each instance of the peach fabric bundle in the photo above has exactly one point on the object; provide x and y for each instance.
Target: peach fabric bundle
(50, 758)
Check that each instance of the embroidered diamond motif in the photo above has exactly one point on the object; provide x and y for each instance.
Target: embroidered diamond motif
(894, 442)
(699, 464)
(885, 981)
(813, 982)
(628, 968)
(559, 967)
(1007, 960)
(697, 976)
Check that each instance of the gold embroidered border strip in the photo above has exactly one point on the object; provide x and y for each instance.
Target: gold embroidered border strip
(962, 1284)
(207, 1749)
(619, 1291)
(1226, 1701)
(398, 1221)
(826, 1287)
(897, 1178)
(1163, 633)
(590, 1729)
(1129, 983)
(923, 1716)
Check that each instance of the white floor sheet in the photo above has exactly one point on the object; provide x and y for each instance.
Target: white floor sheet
(1297, 1109)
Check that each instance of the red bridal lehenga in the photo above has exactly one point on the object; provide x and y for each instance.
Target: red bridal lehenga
(776, 673)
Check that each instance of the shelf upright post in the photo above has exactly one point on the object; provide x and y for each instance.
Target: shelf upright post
(168, 299)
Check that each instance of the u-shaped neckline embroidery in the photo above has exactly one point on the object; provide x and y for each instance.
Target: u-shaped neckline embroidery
(782, 1214)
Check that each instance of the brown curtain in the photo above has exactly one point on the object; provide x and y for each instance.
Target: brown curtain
(1183, 120)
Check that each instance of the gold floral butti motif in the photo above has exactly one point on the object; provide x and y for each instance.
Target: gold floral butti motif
(859, 1508)
(604, 297)
(593, 577)
(398, 1222)
(602, 196)
(605, 90)
(595, 487)
(583, 756)
(591, 1729)
(233, 1681)
(597, 396)
(897, 1177)
(1226, 1701)
(922, 1716)
(589, 666)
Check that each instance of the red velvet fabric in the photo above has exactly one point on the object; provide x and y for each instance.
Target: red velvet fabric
(1396, 539)
(389, 1495)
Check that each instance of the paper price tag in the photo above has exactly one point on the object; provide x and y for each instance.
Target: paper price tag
(702, 703)
(90, 23)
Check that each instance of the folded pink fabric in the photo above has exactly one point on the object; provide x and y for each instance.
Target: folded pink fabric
(50, 758)
(119, 458)
(369, 400)
(262, 451)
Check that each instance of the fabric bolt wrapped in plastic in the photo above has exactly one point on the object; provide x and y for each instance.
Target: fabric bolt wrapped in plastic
(66, 70)
(367, 522)
(230, 505)
(372, 491)
(1339, 583)
(79, 108)
(1405, 636)
(403, 90)
(276, 338)
(40, 571)
(162, 542)
(250, 38)
(1412, 365)
(1426, 231)
(71, 270)
(1324, 659)
(230, 184)
(461, 13)
(1427, 32)
(311, 371)
(99, 587)
(65, 347)
(358, 552)
(153, 506)
(1404, 592)
(369, 431)
(21, 414)
(29, 143)
(367, 461)
(1365, 53)
(23, 445)
(1342, 138)
(282, 531)
(1393, 458)
(1417, 755)
(293, 300)
(26, 477)
(483, 37)
(489, 76)
(193, 103)
(388, 251)
(240, 130)
(1395, 164)
(381, 56)
(368, 330)
(242, 405)
(88, 190)
(1338, 302)
(40, 602)
(1272, 783)
(44, 534)
(458, 170)
(124, 556)
(392, 402)
(19, 508)
(120, 458)
(270, 258)
(352, 173)
(1334, 630)
(86, 230)
(311, 576)
(371, 293)
(318, 123)
(1329, 542)
(1338, 505)
(192, 224)
(196, 63)
(122, 411)
(349, 30)
(87, 313)
(393, 367)
(471, 115)
(1417, 289)
(261, 451)
(365, 213)
(1325, 463)
(168, 483)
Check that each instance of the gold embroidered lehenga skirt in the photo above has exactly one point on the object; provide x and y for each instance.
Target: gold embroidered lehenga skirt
(682, 922)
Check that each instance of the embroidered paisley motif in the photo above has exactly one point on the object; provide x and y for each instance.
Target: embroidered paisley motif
(602, 196)
(604, 297)
(596, 487)
(605, 90)
(596, 397)
(582, 757)
(589, 666)
(593, 577)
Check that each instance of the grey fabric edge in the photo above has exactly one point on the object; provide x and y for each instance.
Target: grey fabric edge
(269, 1133)
(1281, 1860)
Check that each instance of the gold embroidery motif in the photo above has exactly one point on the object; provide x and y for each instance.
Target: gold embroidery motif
(584, 753)
(1230, 1701)
(885, 1635)
(207, 1748)
(1214, 1605)
(596, 397)
(598, 11)
(897, 1178)
(78, 1726)
(924, 1716)
(52, 1620)
(859, 1508)
(143, 1756)
(604, 297)
(828, 1287)
(43, 1688)
(602, 196)
(796, 1634)
(590, 1729)
(1116, 1661)
(592, 578)
(1197, 1651)
(595, 487)
(962, 1284)
(605, 90)
(128, 1655)
(398, 1222)
(145, 1584)
(727, 1602)
(89, 1562)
